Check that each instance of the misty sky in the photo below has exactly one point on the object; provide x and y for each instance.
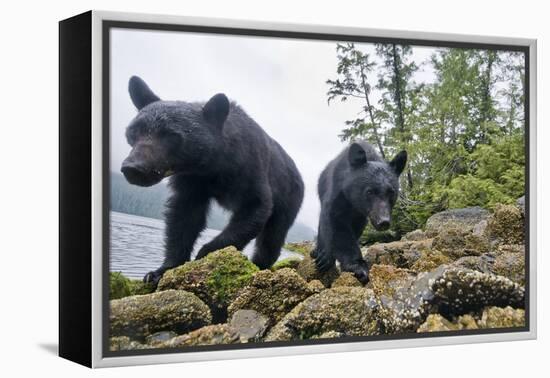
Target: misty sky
(280, 83)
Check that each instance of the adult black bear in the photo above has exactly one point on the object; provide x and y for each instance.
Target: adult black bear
(212, 150)
(355, 187)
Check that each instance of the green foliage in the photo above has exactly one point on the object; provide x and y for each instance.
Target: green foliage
(464, 132)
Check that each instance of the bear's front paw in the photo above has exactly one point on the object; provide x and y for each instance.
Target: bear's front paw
(153, 278)
(360, 270)
(323, 261)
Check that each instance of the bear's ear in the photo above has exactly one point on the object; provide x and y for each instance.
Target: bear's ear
(216, 110)
(356, 155)
(140, 93)
(398, 162)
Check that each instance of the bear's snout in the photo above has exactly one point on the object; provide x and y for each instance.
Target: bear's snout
(382, 225)
(137, 174)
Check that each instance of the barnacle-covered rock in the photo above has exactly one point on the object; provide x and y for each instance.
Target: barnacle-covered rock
(346, 279)
(449, 291)
(437, 323)
(249, 324)
(171, 310)
(346, 310)
(272, 294)
(214, 334)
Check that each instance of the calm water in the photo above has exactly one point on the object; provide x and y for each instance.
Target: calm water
(137, 244)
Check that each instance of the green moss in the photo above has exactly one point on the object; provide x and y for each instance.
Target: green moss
(290, 262)
(216, 278)
(121, 286)
(303, 248)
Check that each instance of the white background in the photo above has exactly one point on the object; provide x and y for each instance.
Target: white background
(29, 206)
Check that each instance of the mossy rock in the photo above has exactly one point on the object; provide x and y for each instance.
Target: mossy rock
(272, 294)
(507, 317)
(308, 270)
(462, 219)
(216, 279)
(349, 311)
(214, 334)
(429, 260)
(506, 225)
(402, 254)
(121, 286)
(346, 279)
(456, 243)
(302, 248)
(289, 262)
(142, 315)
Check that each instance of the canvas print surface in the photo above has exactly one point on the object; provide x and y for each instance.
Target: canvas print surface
(277, 190)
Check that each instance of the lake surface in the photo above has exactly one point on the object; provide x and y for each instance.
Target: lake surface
(137, 244)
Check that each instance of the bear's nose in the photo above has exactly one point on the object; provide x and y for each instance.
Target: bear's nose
(133, 172)
(383, 225)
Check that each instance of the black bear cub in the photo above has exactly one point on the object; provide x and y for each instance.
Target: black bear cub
(212, 151)
(355, 187)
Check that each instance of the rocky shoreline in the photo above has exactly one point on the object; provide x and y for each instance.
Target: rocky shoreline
(465, 270)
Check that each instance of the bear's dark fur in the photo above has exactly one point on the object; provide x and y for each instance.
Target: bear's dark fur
(355, 187)
(212, 150)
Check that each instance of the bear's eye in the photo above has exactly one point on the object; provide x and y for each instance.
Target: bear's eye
(369, 192)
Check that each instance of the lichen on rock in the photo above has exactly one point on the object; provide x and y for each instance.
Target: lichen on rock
(216, 279)
(346, 310)
(272, 294)
(507, 317)
(506, 225)
(171, 310)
